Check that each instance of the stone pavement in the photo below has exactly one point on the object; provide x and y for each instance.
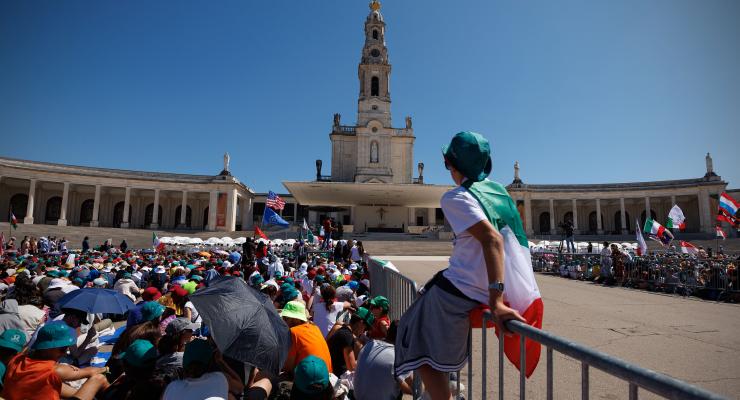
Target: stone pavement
(689, 339)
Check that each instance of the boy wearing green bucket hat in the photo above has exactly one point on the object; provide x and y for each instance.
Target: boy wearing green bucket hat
(38, 375)
(477, 209)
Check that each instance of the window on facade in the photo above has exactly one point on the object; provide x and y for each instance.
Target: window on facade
(375, 34)
(374, 86)
(289, 212)
(257, 210)
(545, 222)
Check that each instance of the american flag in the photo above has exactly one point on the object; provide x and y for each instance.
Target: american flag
(274, 201)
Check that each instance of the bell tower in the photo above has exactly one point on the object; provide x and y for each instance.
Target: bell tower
(374, 72)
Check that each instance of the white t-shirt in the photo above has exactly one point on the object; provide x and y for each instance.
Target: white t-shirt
(325, 319)
(210, 386)
(355, 254)
(467, 266)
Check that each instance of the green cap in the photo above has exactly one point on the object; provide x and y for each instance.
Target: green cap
(151, 310)
(189, 286)
(311, 375)
(294, 309)
(140, 353)
(54, 335)
(469, 153)
(197, 351)
(380, 301)
(366, 315)
(13, 339)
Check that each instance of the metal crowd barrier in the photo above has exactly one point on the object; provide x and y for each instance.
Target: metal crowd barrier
(400, 290)
(637, 377)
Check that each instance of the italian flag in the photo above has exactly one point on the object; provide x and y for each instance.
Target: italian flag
(688, 248)
(676, 219)
(523, 295)
(13, 221)
(654, 228)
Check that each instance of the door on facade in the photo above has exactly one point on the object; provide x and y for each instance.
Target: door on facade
(419, 220)
(53, 210)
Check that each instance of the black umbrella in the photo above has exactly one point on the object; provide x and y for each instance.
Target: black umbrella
(244, 323)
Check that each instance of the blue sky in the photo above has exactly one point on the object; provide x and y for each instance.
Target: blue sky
(577, 91)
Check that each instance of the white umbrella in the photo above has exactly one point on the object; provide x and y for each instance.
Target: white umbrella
(227, 239)
(263, 240)
(289, 242)
(213, 241)
(277, 242)
(195, 241)
(240, 240)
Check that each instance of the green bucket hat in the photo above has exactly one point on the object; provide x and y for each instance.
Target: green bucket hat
(366, 315)
(139, 353)
(311, 375)
(380, 301)
(54, 335)
(13, 339)
(151, 310)
(189, 286)
(197, 351)
(469, 153)
(294, 309)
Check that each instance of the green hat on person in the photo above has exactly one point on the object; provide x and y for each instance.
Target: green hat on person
(189, 286)
(380, 301)
(294, 309)
(197, 351)
(54, 335)
(140, 353)
(469, 153)
(13, 339)
(366, 315)
(151, 310)
(311, 376)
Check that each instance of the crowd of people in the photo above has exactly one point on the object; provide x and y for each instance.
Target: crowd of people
(707, 274)
(342, 340)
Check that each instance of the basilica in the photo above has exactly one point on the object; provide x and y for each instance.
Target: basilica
(373, 184)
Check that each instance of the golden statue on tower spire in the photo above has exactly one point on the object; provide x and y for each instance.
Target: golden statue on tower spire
(375, 5)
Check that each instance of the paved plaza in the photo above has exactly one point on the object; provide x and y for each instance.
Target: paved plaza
(689, 339)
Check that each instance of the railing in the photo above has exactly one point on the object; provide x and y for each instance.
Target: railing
(345, 129)
(401, 292)
(323, 178)
(637, 377)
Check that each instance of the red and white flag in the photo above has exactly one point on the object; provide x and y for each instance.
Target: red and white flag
(721, 233)
(642, 246)
(274, 201)
(688, 248)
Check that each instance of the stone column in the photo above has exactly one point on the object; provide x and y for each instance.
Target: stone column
(213, 199)
(622, 217)
(432, 216)
(155, 211)
(647, 208)
(528, 215)
(246, 203)
(705, 212)
(96, 208)
(231, 211)
(552, 217)
(575, 217)
(183, 210)
(63, 212)
(411, 217)
(31, 202)
(351, 217)
(250, 212)
(126, 202)
(599, 227)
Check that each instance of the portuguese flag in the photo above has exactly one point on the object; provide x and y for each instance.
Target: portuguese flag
(13, 221)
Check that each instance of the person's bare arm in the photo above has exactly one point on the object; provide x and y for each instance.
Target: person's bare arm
(349, 358)
(70, 373)
(493, 252)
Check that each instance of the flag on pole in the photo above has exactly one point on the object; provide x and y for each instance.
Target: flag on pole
(728, 204)
(642, 246)
(688, 248)
(270, 217)
(676, 219)
(274, 201)
(305, 225)
(655, 229)
(720, 233)
(13, 221)
(310, 237)
(258, 232)
(722, 217)
(156, 243)
(70, 263)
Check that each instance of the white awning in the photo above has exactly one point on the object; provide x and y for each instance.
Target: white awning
(370, 194)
